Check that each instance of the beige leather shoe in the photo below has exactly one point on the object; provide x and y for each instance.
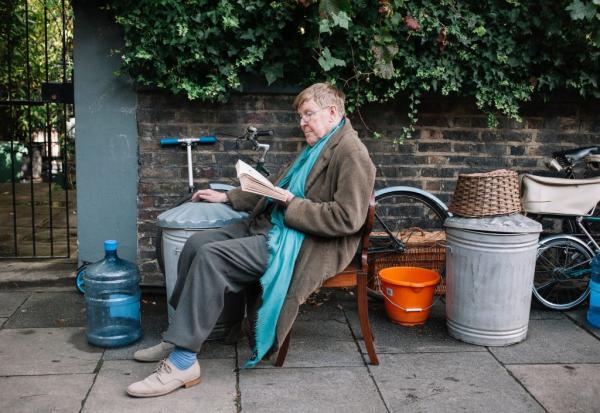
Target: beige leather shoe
(165, 379)
(155, 353)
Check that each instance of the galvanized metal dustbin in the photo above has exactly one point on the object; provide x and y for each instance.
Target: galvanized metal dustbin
(490, 264)
(180, 223)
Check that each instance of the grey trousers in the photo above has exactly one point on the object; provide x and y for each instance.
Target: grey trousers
(212, 263)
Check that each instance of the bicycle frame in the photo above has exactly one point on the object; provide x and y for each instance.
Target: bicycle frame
(591, 239)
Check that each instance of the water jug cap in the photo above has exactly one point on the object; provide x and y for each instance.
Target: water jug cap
(110, 245)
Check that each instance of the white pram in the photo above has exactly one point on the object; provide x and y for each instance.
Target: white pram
(559, 196)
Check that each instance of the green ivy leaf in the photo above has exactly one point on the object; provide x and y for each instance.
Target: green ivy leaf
(580, 10)
(328, 8)
(479, 31)
(384, 55)
(325, 26)
(273, 72)
(341, 19)
(143, 54)
(328, 62)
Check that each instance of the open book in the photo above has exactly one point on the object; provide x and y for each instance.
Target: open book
(252, 181)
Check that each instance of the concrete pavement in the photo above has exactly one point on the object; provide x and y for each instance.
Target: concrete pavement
(47, 365)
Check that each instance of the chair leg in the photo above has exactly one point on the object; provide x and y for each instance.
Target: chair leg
(363, 316)
(283, 351)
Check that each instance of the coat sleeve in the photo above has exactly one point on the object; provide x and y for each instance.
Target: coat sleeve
(346, 213)
(242, 201)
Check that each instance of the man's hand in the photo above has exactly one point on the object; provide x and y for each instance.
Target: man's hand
(209, 195)
(287, 201)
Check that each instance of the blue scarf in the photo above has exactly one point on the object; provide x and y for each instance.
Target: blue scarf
(284, 244)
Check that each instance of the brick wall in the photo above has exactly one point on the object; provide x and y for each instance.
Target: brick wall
(451, 137)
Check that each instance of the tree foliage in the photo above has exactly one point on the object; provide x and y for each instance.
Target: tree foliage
(31, 52)
(500, 52)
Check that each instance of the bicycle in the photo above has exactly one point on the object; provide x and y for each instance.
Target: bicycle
(562, 270)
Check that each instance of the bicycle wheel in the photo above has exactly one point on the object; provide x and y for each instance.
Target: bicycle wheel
(562, 272)
(400, 214)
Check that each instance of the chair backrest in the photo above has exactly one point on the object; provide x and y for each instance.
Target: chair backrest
(366, 232)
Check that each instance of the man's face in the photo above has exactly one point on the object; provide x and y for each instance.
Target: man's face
(315, 121)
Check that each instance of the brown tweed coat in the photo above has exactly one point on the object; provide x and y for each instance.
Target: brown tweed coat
(334, 209)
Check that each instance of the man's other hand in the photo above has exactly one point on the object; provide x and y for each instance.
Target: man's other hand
(287, 201)
(209, 195)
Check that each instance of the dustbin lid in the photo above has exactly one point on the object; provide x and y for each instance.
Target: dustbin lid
(511, 224)
(199, 215)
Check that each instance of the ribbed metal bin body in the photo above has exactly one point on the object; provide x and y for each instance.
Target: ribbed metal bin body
(490, 265)
(180, 223)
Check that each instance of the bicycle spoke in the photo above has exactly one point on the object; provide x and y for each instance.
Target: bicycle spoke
(550, 263)
(546, 284)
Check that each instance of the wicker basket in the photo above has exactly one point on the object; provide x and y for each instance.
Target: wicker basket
(487, 194)
(423, 249)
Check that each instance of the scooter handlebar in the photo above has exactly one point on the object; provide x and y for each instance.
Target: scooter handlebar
(205, 140)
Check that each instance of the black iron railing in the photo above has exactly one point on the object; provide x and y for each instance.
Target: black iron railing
(36, 118)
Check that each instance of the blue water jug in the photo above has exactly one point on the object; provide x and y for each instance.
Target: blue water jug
(593, 315)
(112, 299)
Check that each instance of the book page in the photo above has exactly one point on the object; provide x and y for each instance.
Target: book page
(242, 168)
(252, 181)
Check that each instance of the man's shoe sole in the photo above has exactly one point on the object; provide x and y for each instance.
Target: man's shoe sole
(187, 385)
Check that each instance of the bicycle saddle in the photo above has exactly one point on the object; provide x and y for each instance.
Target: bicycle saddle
(575, 155)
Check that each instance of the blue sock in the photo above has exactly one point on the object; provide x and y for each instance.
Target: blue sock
(182, 358)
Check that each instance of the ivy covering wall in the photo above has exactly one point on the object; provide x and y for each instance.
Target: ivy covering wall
(500, 52)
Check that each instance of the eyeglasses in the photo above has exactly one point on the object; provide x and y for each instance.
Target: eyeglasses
(308, 115)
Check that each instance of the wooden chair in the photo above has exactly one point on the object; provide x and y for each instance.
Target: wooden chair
(355, 275)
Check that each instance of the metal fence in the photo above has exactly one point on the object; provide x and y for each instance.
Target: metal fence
(37, 181)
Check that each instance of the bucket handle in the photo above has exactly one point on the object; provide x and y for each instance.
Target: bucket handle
(410, 310)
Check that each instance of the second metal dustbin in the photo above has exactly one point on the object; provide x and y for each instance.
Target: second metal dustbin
(490, 264)
(180, 223)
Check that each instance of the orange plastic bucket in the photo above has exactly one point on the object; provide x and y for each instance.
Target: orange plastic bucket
(408, 293)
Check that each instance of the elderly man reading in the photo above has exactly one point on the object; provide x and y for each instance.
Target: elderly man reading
(290, 248)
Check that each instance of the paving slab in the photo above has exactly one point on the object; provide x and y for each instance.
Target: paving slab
(321, 307)
(562, 388)
(392, 338)
(542, 314)
(449, 382)
(10, 301)
(579, 316)
(551, 341)
(2, 321)
(46, 351)
(35, 394)
(50, 309)
(325, 343)
(13, 272)
(303, 390)
(216, 393)
(152, 327)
